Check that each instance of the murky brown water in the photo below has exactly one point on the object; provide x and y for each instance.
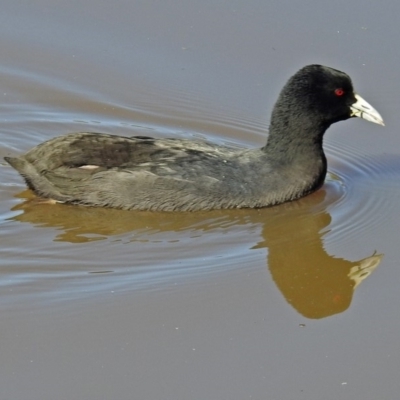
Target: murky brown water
(299, 301)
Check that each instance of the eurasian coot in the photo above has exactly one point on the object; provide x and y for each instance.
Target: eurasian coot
(144, 173)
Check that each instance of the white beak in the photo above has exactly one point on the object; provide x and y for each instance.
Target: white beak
(363, 109)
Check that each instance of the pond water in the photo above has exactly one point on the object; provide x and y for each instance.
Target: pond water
(298, 301)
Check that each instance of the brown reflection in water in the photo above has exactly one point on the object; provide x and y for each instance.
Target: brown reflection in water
(315, 283)
(79, 224)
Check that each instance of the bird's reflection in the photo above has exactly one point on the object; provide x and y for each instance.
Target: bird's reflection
(313, 282)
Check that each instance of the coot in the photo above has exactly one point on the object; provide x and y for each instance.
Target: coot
(144, 173)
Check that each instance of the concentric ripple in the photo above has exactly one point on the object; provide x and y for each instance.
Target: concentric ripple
(64, 252)
(369, 190)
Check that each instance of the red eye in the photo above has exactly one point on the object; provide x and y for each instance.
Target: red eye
(339, 92)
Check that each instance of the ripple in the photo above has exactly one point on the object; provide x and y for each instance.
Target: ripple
(153, 252)
(113, 251)
(369, 190)
(31, 115)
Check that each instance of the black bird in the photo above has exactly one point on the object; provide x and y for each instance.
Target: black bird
(144, 173)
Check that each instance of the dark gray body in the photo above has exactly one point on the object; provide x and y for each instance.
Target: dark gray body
(164, 174)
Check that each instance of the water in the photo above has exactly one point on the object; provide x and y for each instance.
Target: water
(278, 303)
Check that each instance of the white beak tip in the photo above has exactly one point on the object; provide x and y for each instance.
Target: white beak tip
(362, 109)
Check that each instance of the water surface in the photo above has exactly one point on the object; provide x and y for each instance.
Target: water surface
(296, 301)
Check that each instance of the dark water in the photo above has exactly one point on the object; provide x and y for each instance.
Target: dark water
(299, 301)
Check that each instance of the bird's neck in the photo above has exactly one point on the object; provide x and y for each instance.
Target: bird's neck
(295, 136)
(294, 148)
